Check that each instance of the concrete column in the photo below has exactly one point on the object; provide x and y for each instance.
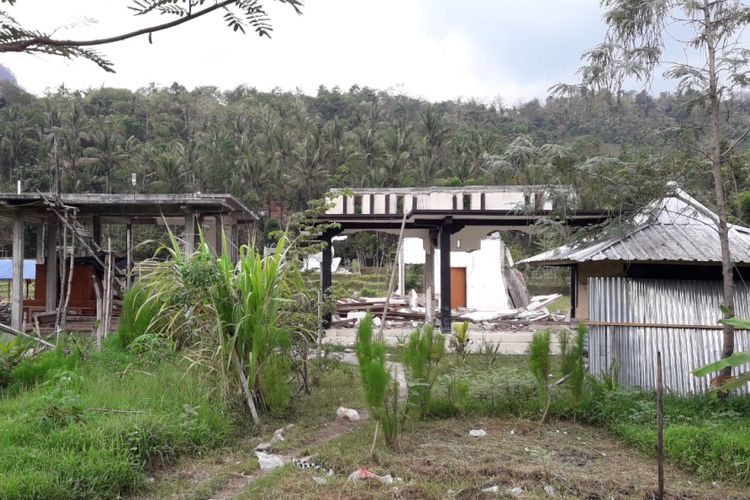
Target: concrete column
(325, 276)
(16, 294)
(401, 272)
(51, 285)
(429, 274)
(188, 232)
(445, 278)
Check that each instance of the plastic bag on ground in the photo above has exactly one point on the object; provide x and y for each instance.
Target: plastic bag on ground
(347, 414)
(268, 461)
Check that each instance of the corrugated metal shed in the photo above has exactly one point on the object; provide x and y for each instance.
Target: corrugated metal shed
(676, 228)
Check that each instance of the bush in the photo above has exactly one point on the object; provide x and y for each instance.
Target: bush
(421, 356)
(539, 363)
(43, 367)
(139, 310)
(58, 439)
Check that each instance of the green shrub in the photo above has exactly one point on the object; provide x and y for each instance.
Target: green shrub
(139, 311)
(43, 367)
(421, 355)
(460, 339)
(11, 355)
(539, 364)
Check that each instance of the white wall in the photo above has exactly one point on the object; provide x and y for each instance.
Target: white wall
(485, 285)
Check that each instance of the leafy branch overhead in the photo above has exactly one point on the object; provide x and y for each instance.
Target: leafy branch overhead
(239, 15)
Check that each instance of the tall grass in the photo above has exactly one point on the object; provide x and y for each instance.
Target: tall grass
(132, 417)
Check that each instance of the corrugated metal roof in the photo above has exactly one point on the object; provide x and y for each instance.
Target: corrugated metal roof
(675, 228)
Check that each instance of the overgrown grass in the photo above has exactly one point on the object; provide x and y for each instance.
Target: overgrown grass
(708, 436)
(118, 419)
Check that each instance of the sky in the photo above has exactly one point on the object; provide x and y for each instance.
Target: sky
(513, 50)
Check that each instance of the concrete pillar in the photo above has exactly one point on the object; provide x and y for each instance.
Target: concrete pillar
(401, 272)
(16, 294)
(429, 274)
(51, 285)
(445, 278)
(325, 276)
(188, 233)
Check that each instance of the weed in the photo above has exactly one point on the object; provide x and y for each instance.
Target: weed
(421, 356)
(539, 363)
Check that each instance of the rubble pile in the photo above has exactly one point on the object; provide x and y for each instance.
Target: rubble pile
(411, 310)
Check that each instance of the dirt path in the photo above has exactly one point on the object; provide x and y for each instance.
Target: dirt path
(329, 432)
(223, 475)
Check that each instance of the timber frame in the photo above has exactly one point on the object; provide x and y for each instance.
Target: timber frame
(84, 214)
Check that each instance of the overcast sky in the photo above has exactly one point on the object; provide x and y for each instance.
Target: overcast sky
(436, 49)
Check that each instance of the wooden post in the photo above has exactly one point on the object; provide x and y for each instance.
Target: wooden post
(129, 254)
(445, 278)
(188, 233)
(401, 272)
(16, 296)
(96, 229)
(219, 237)
(51, 291)
(40, 243)
(399, 249)
(659, 425)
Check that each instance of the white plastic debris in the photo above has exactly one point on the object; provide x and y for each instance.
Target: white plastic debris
(360, 474)
(516, 491)
(263, 447)
(268, 461)
(549, 490)
(347, 414)
(492, 489)
(477, 433)
(320, 481)
(278, 435)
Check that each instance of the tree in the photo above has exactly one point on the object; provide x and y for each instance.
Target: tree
(239, 15)
(634, 48)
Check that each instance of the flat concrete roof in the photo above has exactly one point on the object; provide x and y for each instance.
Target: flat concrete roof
(126, 205)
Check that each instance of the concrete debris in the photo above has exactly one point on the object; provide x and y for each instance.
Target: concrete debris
(549, 490)
(278, 435)
(492, 489)
(409, 310)
(320, 481)
(478, 433)
(515, 491)
(264, 447)
(347, 414)
(268, 461)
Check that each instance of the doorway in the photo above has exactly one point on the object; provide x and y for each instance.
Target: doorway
(458, 287)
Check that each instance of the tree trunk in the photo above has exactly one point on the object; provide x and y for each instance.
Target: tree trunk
(716, 161)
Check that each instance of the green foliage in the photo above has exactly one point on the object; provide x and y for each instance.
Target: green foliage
(373, 372)
(460, 338)
(139, 310)
(94, 432)
(735, 360)
(12, 354)
(576, 364)
(43, 367)
(539, 357)
(421, 355)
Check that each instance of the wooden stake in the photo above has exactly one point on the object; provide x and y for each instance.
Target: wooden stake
(659, 425)
(246, 389)
(390, 282)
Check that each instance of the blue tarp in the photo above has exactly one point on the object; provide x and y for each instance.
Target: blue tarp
(6, 269)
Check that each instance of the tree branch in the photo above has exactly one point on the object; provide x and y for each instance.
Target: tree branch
(43, 41)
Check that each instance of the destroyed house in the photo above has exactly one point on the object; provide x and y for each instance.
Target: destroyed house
(80, 217)
(672, 238)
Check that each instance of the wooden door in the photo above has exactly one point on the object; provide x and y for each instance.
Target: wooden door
(458, 287)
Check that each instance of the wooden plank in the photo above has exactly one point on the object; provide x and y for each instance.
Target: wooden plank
(16, 305)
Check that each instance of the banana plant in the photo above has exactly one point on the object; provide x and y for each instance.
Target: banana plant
(735, 360)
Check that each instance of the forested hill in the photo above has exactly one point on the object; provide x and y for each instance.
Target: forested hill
(280, 148)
